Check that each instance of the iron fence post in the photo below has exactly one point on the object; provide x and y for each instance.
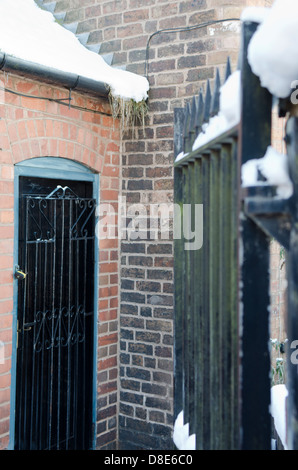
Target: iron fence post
(254, 302)
(292, 275)
(179, 116)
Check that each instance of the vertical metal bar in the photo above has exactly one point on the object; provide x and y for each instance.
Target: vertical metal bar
(23, 387)
(191, 335)
(226, 312)
(34, 407)
(223, 296)
(76, 353)
(42, 353)
(59, 324)
(292, 277)
(186, 306)
(84, 331)
(205, 303)
(255, 324)
(234, 295)
(213, 326)
(47, 410)
(226, 290)
(68, 323)
(255, 125)
(178, 255)
(214, 253)
(199, 353)
(41, 368)
(292, 334)
(51, 367)
(254, 138)
(235, 329)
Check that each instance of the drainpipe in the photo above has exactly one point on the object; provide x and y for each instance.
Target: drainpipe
(53, 76)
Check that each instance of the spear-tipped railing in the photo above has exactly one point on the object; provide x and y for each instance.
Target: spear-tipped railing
(222, 360)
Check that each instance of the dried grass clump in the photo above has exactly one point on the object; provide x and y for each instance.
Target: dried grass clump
(130, 113)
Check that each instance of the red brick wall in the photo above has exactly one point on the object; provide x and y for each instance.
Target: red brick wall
(39, 128)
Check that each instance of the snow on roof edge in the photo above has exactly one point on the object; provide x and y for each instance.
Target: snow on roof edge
(30, 33)
(34, 70)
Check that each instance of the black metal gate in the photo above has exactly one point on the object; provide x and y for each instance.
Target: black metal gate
(222, 295)
(55, 315)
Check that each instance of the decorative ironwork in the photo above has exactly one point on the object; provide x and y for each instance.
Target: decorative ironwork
(55, 319)
(88, 208)
(61, 327)
(62, 192)
(41, 228)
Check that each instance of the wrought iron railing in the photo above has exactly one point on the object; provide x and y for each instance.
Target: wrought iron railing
(222, 300)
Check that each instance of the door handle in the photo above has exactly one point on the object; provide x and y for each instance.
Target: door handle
(21, 330)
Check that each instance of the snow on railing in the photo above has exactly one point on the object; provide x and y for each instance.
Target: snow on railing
(214, 113)
(273, 52)
(279, 395)
(274, 167)
(181, 437)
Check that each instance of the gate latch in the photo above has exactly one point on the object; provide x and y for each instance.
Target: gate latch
(19, 274)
